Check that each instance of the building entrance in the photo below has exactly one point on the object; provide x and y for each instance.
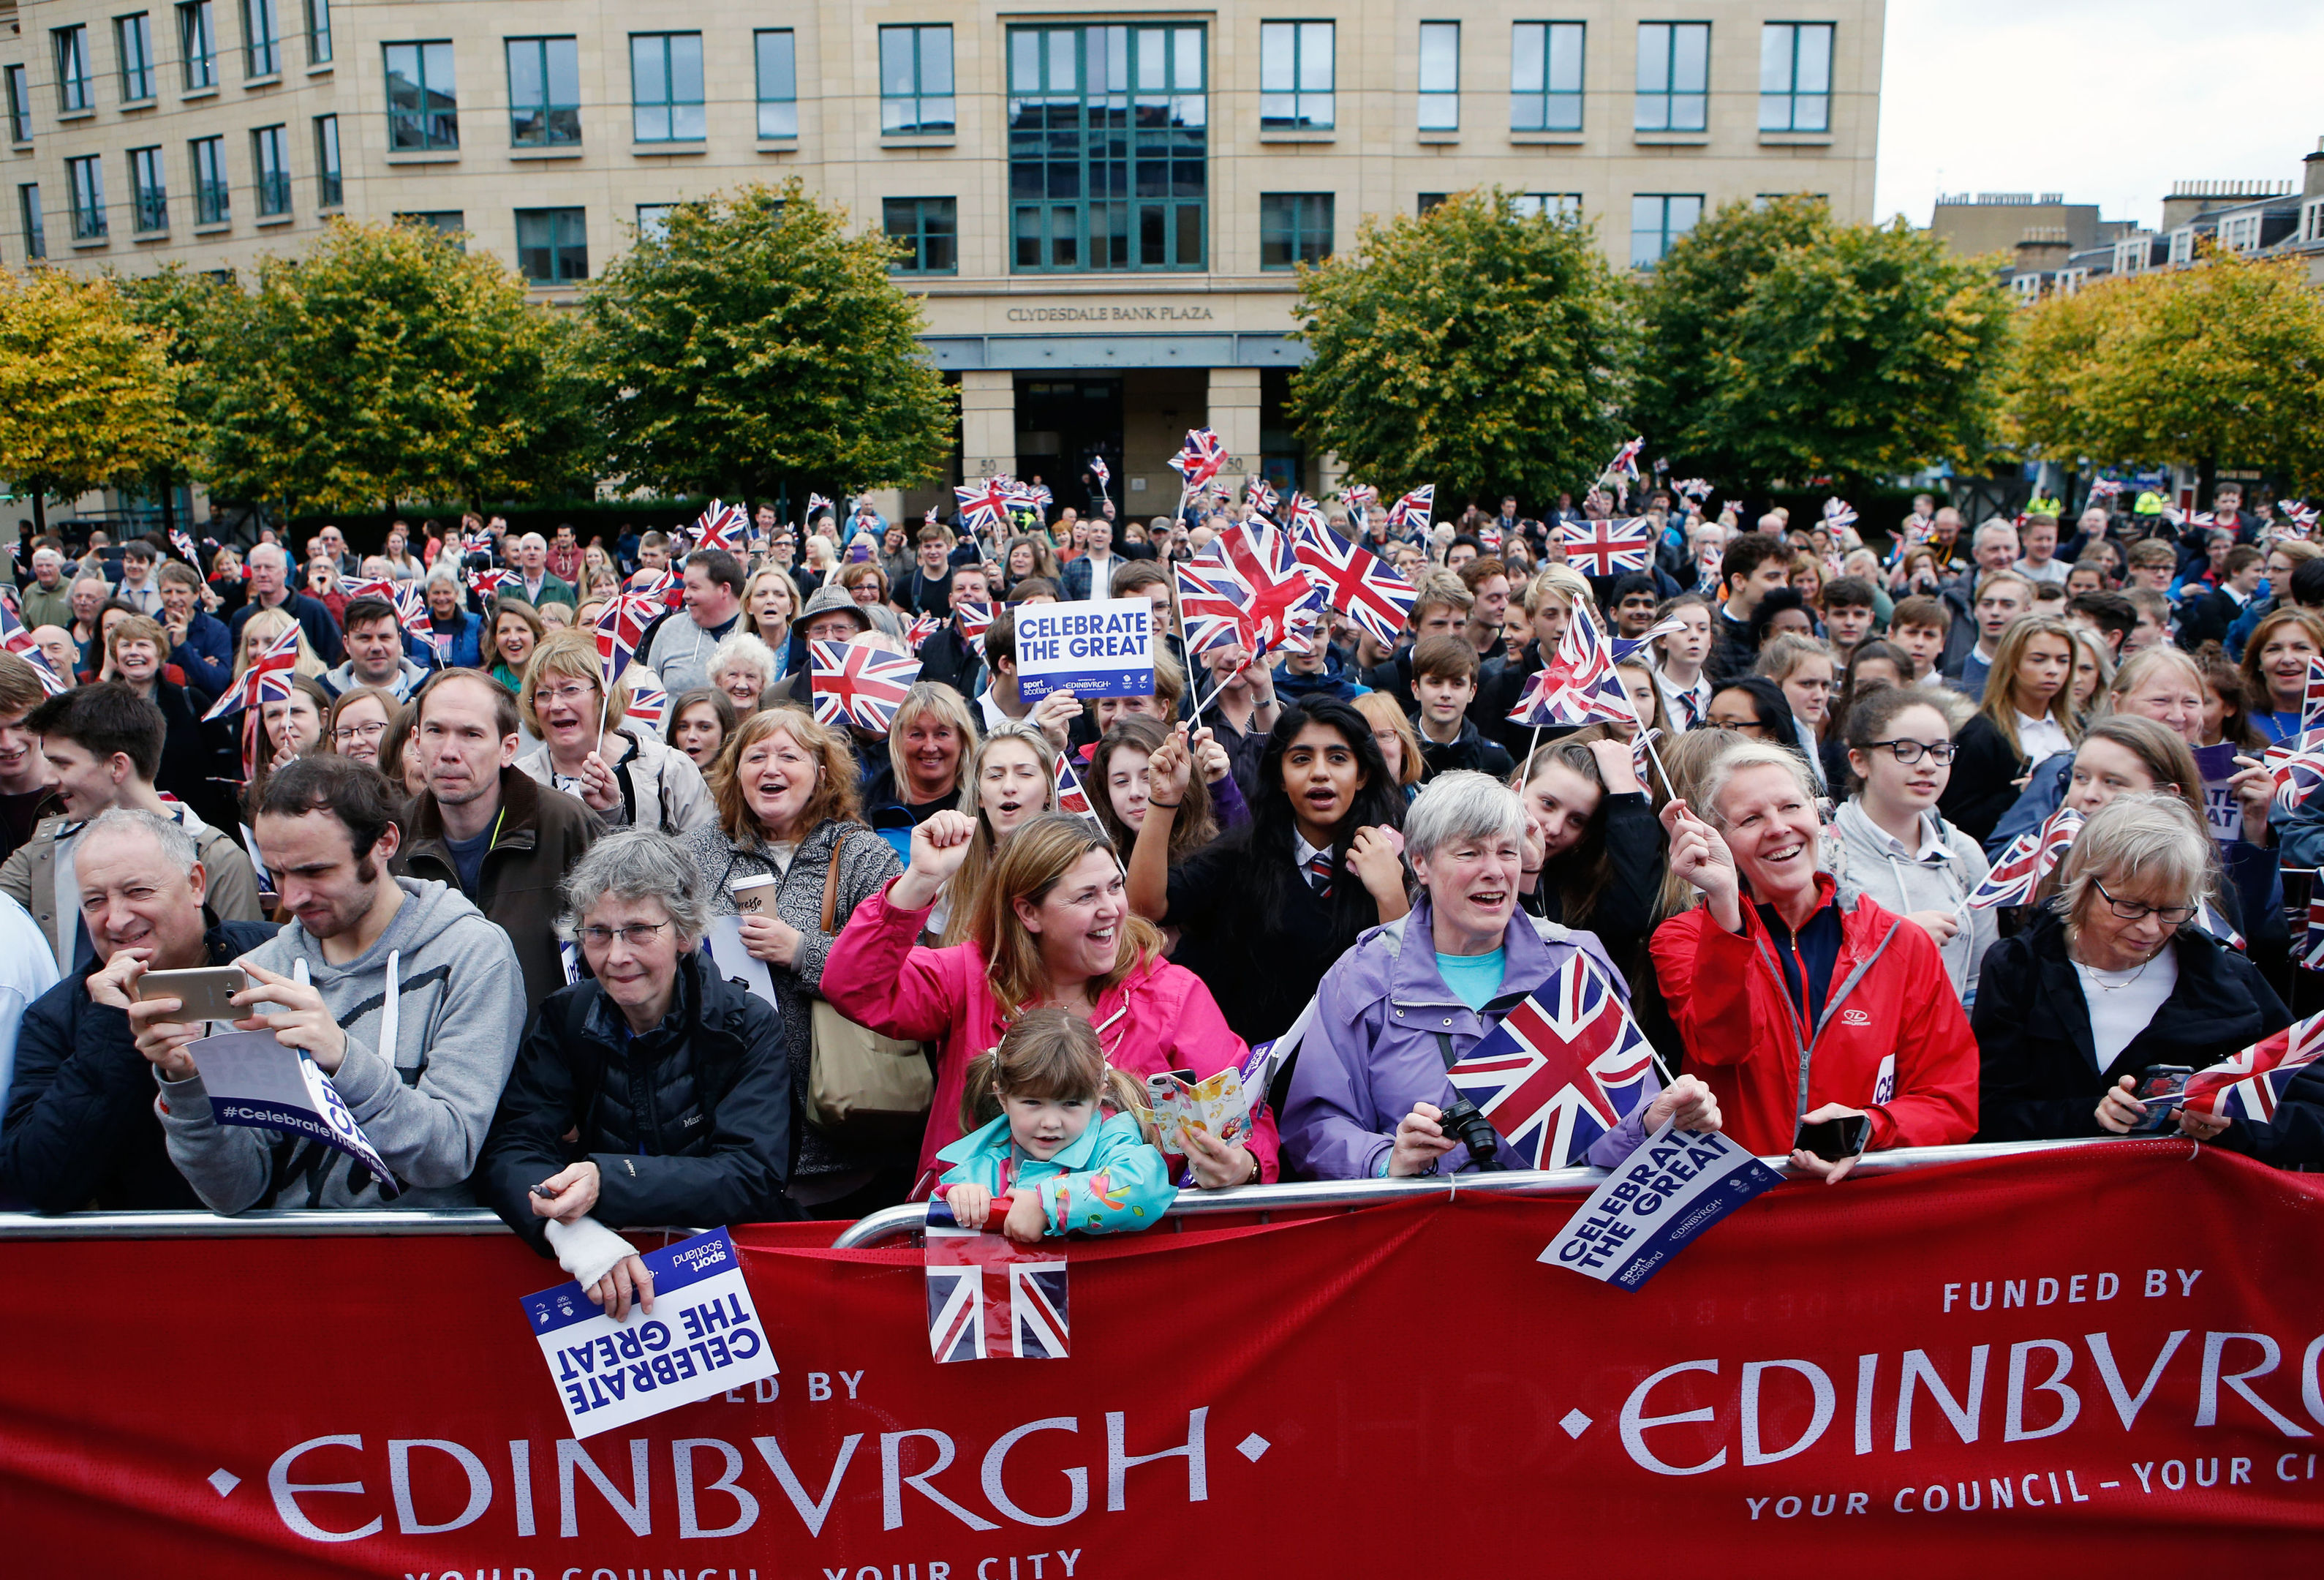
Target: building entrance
(1063, 421)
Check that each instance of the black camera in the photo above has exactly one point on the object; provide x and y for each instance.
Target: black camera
(1466, 1123)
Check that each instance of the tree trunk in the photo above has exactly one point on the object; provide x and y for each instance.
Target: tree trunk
(169, 508)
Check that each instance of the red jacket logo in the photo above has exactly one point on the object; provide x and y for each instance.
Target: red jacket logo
(1854, 1018)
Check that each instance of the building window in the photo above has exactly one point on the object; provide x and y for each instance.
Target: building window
(927, 234)
(85, 177)
(916, 81)
(1440, 76)
(209, 181)
(423, 106)
(1556, 205)
(260, 44)
(1295, 75)
(1107, 139)
(19, 105)
(74, 93)
(2311, 218)
(666, 87)
(1674, 77)
(1657, 220)
(1545, 75)
(198, 41)
(147, 191)
(654, 221)
(452, 222)
(1428, 202)
(330, 188)
(319, 32)
(777, 49)
(544, 93)
(36, 230)
(132, 41)
(552, 245)
(1294, 227)
(1796, 77)
(270, 154)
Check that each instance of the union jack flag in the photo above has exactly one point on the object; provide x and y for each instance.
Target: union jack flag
(2105, 488)
(817, 501)
(2311, 944)
(412, 608)
(1694, 489)
(16, 640)
(1304, 513)
(2301, 515)
(1025, 497)
(621, 630)
(966, 1322)
(1248, 588)
(1625, 463)
(986, 504)
(1623, 646)
(2017, 876)
(1421, 503)
(648, 701)
(1580, 686)
(1071, 799)
(2249, 1086)
(1706, 569)
(1359, 496)
(922, 627)
(1610, 547)
(487, 584)
(268, 679)
(2296, 764)
(370, 587)
(973, 619)
(1200, 461)
(1260, 493)
(722, 526)
(1564, 1068)
(2208, 919)
(1357, 582)
(2311, 706)
(183, 543)
(1838, 513)
(860, 684)
(1101, 471)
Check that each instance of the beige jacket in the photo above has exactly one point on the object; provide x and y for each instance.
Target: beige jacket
(29, 877)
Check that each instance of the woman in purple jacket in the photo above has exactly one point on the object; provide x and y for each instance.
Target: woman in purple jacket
(1412, 997)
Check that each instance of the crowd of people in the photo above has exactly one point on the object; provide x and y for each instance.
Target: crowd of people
(597, 968)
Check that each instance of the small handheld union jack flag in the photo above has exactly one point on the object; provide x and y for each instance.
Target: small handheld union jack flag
(648, 701)
(722, 527)
(16, 640)
(1356, 582)
(1580, 686)
(2249, 1086)
(2312, 703)
(383, 587)
(487, 584)
(1200, 461)
(972, 620)
(1625, 463)
(1839, 514)
(1695, 488)
(1415, 507)
(1261, 494)
(2301, 515)
(983, 505)
(2311, 951)
(267, 679)
(968, 1320)
(1566, 1067)
(1071, 799)
(815, 505)
(2105, 488)
(1603, 548)
(1623, 646)
(2296, 764)
(621, 630)
(183, 543)
(859, 684)
(922, 627)
(2016, 877)
(1098, 470)
(1248, 588)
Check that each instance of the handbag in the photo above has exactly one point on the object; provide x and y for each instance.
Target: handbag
(859, 1081)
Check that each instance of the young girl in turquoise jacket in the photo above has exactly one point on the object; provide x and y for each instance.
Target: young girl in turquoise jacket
(1041, 1156)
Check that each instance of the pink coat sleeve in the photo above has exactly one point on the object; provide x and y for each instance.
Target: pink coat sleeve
(1204, 1043)
(877, 976)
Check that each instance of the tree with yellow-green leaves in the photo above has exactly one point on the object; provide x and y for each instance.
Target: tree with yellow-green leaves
(85, 393)
(2217, 366)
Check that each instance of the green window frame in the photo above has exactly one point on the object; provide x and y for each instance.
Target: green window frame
(1545, 67)
(262, 43)
(1673, 81)
(665, 90)
(552, 245)
(319, 32)
(133, 46)
(1658, 220)
(1565, 205)
(1108, 148)
(1294, 229)
(544, 77)
(1795, 75)
(330, 182)
(451, 223)
(776, 49)
(75, 90)
(149, 196)
(36, 226)
(916, 81)
(270, 160)
(927, 234)
(198, 45)
(1295, 69)
(423, 101)
(85, 180)
(1440, 77)
(19, 105)
(213, 198)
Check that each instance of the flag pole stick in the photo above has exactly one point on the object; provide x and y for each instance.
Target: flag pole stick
(1531, 747)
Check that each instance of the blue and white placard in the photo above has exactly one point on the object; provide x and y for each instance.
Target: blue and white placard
(1103, 646)
(253, 1080)
(702, 1337)
(1651, 1207)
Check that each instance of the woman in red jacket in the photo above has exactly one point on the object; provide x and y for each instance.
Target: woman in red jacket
(1794, 1008)
(1050, 925)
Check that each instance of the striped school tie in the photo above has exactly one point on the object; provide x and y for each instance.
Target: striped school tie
(1319, 874)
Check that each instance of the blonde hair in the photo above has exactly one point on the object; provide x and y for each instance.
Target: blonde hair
(271, 624)
(568, 655)
(2132, 838)
(961, 892)
(1380, 708)
(1049, 1053)
(948, 705)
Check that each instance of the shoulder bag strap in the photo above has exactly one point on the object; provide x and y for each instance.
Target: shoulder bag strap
(831, 879)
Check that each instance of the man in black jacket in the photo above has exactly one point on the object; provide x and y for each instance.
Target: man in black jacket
(1753, 565)
(80, 1130)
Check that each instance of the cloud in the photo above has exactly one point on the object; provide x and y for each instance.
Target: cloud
(2107, 101)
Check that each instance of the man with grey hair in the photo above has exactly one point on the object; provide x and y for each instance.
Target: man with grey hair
(81, 1129)
(270, 588)
(48, 601)
(1995, 550)
(541, 584)
(398, 989)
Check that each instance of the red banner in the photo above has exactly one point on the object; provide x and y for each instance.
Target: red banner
(2093, 1360)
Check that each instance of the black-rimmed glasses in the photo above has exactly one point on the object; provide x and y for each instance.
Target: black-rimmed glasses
(1910, 752)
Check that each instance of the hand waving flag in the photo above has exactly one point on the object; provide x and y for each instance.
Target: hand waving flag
(1603, 548)
(1566, 1067)
(1580, 686)
(2016, 876)
(1248, 588)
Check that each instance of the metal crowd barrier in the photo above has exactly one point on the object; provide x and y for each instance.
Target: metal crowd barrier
(897, 1223)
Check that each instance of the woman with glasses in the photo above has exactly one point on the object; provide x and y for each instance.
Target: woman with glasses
(1894, 843)
(358, 723)
(624, 773)
(2114, 977)
(652, 1090)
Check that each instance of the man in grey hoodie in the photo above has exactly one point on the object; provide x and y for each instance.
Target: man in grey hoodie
(409, 1000)
(375, 653)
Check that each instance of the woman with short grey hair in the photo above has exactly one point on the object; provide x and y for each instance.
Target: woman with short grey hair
(745, 669)
(2116, 977)
(651, 1091)
(1411, 998)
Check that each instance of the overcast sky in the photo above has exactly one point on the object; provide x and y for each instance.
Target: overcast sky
(2107, 101)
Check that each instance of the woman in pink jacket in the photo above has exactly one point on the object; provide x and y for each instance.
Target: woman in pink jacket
(1051, 926)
